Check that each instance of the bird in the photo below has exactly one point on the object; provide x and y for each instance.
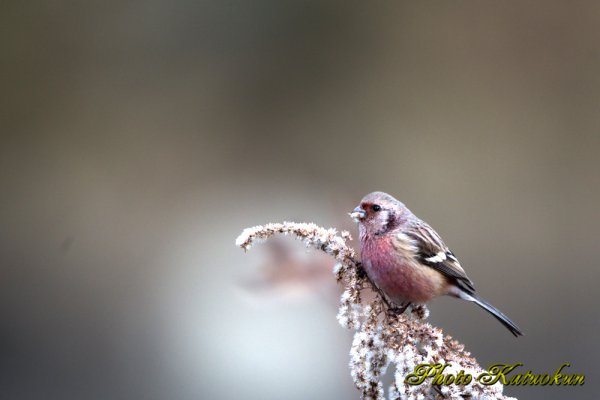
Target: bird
(408, 260)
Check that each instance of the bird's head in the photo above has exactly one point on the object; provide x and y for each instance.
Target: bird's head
(378, 213)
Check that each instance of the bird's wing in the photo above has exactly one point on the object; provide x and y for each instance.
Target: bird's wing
(431, 251)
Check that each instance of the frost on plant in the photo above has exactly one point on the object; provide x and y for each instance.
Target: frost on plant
(383, 339)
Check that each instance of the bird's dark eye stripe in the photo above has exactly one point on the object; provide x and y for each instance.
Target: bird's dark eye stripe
(376, 207)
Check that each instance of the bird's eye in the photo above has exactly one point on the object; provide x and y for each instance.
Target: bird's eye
(376, 207)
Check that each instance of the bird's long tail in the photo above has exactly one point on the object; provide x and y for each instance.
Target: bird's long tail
(504, 320)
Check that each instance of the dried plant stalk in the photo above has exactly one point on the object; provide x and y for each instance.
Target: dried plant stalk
(382, 337)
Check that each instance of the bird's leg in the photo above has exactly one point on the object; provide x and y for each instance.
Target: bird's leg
(385, 300)
(362, 274)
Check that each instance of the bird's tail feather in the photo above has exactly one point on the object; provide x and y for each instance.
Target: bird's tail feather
(504, 320)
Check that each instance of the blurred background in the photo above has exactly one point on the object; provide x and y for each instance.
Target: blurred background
(140, 138)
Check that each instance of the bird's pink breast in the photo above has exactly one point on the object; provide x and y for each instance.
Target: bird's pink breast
(396, 274)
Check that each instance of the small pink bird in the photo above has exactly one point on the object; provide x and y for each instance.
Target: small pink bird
(407, 259)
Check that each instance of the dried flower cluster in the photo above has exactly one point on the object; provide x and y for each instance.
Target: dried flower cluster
(383, 337)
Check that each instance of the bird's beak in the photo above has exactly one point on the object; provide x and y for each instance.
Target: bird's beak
(357, 214)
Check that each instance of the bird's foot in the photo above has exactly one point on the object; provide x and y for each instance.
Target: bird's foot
(393, 311)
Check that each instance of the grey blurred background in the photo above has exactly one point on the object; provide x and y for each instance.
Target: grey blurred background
(140, 138)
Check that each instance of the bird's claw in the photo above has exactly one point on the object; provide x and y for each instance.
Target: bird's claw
(394, 311)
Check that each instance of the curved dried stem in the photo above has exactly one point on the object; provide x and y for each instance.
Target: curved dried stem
(383, 337)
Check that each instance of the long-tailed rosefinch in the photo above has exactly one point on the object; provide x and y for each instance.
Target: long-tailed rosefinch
(407, 259)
